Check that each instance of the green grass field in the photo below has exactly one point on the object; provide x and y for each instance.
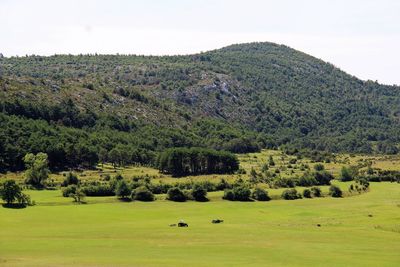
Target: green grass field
(106, 232)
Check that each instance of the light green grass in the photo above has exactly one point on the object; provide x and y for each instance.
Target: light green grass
(275, 233)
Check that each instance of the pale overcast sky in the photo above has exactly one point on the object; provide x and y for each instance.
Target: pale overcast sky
(361, 37)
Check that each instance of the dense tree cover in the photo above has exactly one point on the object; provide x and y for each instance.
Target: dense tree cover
(194, 161)
(86, 109)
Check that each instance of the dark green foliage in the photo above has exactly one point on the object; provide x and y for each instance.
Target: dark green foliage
(199, 193)
(307, 193)
(100, 190)
(67, 191)
(346, 174)
(323, 178)
(70, 179)
(142, 193)
(122, 189)
(176, 194)
(260, 194)
(316, 191)
(319, 167)
(9, 191)
(257, 95)
(189, 161)
(290, 194)
(36, 169)
(239, 192)
(335, 191)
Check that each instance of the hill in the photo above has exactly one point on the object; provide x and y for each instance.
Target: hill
(239, 98)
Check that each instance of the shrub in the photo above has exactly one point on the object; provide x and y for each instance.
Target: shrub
(67, 191)
(335, 191)
(260, 194)
(284, 182)
(290, 194)
(316, 191)
(176, 194)
(319, 167)
(122, 190)
(142, 194)
(306, 180)
(70, 179)
(78, 195)
(199, 193)
(346, 174)
(101, 190)
(229, 195)
(323, 178)
(242, 193)
(307, 193)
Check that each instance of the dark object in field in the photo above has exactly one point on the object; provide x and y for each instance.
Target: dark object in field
(370, 215)
(182, 224)
(217, 221)
(318, 225)
(173, 225)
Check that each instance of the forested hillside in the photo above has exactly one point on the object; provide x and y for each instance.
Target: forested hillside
(86, 109)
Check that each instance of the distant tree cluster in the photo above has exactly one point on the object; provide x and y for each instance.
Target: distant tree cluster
(194, 161)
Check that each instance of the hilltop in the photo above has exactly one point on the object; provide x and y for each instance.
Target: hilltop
(239, 98)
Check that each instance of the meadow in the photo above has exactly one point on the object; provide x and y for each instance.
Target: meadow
(361, 230)
(356, 230)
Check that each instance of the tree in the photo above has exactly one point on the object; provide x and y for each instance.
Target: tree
(122, 190)
(271, 161)
(11, 192)
(37, 170)
(78, 195)
(103, 155)
(70, 179)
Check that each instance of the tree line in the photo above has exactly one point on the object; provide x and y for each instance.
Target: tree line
(194, 161)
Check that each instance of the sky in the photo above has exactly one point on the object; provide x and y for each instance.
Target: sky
(360, 37)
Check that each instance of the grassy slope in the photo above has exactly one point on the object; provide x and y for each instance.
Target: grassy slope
(276, 233)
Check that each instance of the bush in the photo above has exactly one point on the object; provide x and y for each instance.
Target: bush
(307, 193)
(98, 190)
(70, 179)
(319, 167)
(142, 194)
(316, 191)
(290, 194)
(122, 190)
(346, 174)
(307, 180)
(335, 191)
(199, 193)
(260, 194)
(284, 182)
(176, 194)
(67, 191)
(323, 178)
(242, 193)
(229, 195)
